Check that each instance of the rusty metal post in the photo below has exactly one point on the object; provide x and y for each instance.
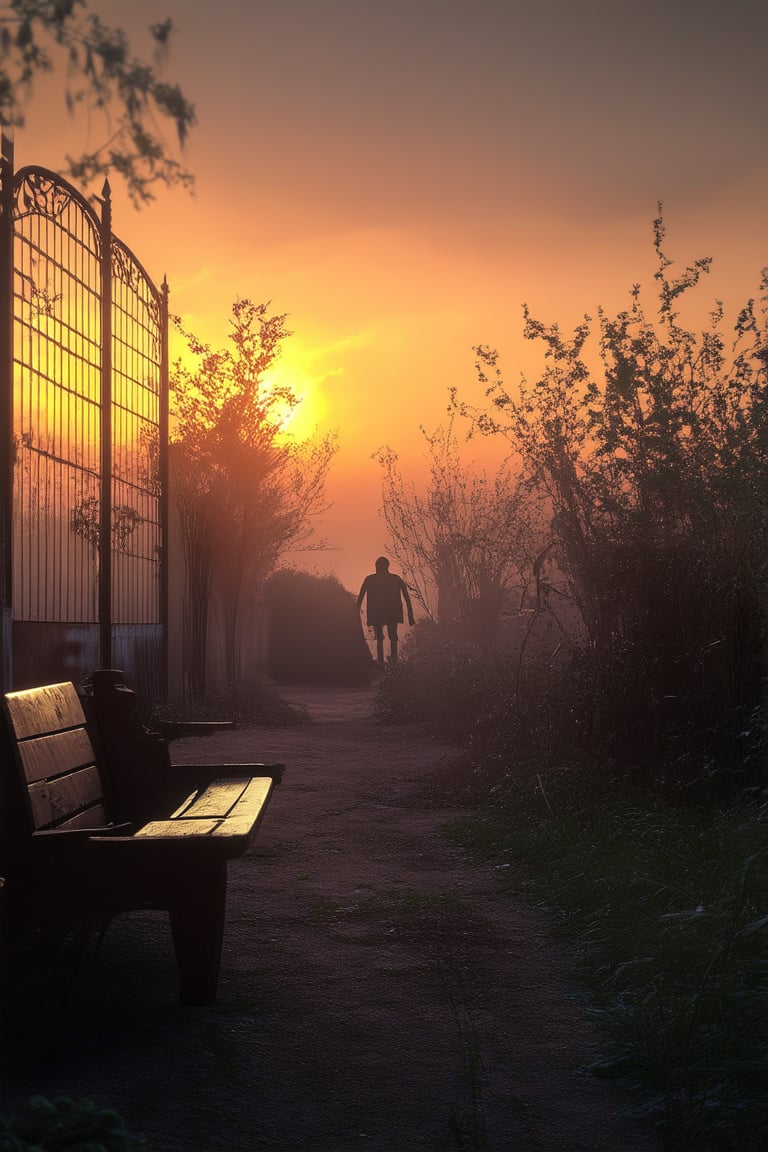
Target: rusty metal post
(163, 433)
(6, 414)
(105, 515)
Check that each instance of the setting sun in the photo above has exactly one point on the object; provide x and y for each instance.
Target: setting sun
(311, 409)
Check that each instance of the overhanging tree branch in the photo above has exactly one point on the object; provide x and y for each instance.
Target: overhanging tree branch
(130, 95)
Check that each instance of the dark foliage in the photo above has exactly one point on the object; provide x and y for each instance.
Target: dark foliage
(638, 715)
(314, 631)
(650, 452)
(62, 1123)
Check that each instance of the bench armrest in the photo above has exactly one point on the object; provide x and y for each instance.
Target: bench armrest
(178, 729)
(55, 848)
(74, 834)
(204, 774)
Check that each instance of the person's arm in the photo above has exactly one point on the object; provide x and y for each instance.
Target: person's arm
(407, 598)
(361, 595)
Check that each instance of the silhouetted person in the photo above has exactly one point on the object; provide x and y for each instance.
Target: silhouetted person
(385, 594)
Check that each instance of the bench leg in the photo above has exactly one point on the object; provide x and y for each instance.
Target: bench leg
(197, 924)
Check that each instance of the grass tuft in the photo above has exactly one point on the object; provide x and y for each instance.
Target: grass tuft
(666, 908)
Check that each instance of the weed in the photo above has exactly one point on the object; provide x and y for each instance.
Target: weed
(326, 908)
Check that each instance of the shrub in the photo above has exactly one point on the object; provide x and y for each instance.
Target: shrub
(250, 706)
(498, 706)
(315, 634)
(651, 454)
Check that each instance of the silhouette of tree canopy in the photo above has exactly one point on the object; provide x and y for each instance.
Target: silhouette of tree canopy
(246, 491)
(103, 76)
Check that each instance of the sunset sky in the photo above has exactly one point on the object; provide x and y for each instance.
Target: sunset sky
(399, 176)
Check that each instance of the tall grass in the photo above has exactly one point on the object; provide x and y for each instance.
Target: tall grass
(666, 909)
(65, 1124)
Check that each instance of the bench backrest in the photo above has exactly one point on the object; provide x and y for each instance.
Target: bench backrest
(56, 758)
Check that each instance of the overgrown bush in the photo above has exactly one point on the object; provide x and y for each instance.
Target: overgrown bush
(500, 707)
(674, 741)
(314, 631)
(652, 454)
(450, 688)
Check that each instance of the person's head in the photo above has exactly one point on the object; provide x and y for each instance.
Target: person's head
(382, 564)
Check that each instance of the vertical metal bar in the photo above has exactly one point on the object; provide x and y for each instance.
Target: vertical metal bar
(6, 414)
(105, 517)
(164, 485)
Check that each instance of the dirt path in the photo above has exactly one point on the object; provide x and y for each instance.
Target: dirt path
(377, 994)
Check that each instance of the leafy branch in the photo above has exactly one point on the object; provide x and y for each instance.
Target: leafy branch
(103, 76)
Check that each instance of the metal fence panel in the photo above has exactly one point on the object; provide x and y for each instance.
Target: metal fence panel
(86, 441)
(57, 364)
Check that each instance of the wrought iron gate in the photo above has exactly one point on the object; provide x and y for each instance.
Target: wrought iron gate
(84, 430)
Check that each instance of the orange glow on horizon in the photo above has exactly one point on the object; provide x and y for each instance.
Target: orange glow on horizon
(519, 158)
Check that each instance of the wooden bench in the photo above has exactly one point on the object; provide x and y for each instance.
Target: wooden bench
(68, 862)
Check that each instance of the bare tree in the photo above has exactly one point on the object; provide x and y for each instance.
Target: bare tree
(465, 542)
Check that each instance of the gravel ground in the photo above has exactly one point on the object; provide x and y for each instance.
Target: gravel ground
(378, 992)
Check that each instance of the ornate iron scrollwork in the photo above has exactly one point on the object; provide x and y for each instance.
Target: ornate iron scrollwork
(41, 194)
(127, 269)
(124, 265)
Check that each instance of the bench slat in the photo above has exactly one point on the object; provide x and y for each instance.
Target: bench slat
(95, 817)
(45, 756)
(37, 711)
(235, 819)
(176, 829)
(52, 801)
(184, 805)
(247, 814)
(217, 800)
